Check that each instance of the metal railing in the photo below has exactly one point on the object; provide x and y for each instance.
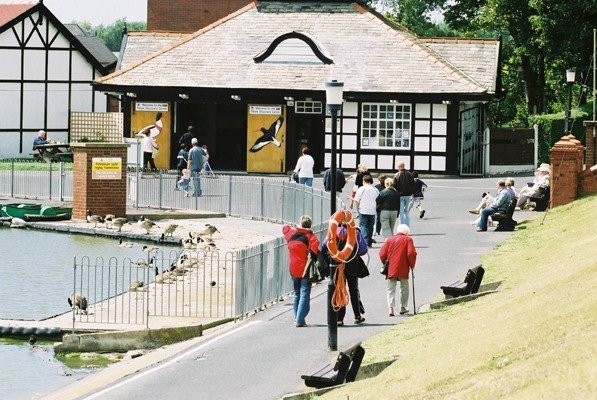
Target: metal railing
(245, 280)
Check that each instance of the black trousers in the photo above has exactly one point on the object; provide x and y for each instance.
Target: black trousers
(355, 299)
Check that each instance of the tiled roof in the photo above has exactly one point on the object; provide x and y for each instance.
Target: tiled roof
(94, 45)
(10, 11)
(370, 54)
(141, 44)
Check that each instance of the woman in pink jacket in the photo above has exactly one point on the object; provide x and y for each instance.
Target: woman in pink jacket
(399, 250)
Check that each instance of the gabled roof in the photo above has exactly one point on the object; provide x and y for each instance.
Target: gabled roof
(9, 12)
(94, 45)
(369, 53)
(15, 12)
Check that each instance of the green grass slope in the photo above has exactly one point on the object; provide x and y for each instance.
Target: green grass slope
(537, 338)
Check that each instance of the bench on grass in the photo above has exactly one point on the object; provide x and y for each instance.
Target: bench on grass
(541, 200)
(504, 219)
(345, 369)
(471, 283)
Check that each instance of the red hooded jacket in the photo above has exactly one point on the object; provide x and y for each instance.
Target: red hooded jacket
(299, 240)
(400, 250)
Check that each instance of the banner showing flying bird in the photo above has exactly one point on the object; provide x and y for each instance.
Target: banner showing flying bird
(269, 136)
(154, 129)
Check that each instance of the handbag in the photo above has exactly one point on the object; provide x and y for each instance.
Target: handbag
(294, 177)
(384, 268)
(357, 268)
(312, 272)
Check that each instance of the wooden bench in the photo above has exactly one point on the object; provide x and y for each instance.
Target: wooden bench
(345, 369)
(504, 219)
(541, 201)
(471, 284)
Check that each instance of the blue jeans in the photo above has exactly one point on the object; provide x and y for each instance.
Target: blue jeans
(302, 298)
(485, 213)
(196, 183)
(366, 223)
(404, 202)
(306, 181)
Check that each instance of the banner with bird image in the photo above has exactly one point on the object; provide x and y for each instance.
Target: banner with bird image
(266, 138)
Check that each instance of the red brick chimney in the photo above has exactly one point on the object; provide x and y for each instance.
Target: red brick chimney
(188, 16)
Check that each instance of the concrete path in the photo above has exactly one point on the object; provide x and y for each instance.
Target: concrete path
(264, 356)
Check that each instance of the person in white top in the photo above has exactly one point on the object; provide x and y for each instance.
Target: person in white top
(365, 201)
(148, 144)
(304, 167)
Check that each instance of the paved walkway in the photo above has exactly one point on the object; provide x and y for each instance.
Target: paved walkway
(447, 246)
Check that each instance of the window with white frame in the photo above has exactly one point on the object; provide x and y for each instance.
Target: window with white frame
(386, 125)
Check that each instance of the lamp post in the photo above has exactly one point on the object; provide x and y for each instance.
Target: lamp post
(333, 95)
(570, 78)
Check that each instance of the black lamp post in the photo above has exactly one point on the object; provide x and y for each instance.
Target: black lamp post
(570, 78)
(333, 95)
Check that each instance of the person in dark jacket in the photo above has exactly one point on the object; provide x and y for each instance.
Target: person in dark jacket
(340, 180)
(301, 241)
(404, 183)
(400, 253)
(352, 271)
(389, 205)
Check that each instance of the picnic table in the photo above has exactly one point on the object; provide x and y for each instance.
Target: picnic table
(54, 152)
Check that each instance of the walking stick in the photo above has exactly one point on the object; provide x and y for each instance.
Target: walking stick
(412, 273)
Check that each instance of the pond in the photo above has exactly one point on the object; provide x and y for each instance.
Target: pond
(37, 278)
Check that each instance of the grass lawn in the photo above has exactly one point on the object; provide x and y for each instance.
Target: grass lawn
(537, 338)
(28, 164)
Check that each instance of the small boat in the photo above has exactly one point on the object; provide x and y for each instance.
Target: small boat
(37, 212)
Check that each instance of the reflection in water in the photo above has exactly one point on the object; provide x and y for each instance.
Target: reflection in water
(37, 278)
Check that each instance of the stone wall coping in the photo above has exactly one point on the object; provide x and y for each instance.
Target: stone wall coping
(97, 145)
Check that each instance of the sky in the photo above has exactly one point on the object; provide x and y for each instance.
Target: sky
(95, 12)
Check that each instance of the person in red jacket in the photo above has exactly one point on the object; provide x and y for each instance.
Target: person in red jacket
(400, 251)
(300, 241)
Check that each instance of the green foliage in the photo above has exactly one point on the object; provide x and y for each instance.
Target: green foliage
(111, 34)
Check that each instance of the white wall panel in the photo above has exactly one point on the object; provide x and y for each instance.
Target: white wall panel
(350, 109)
(81, 97)
(349, 126)
(58, 107)
(440, 111)
(422, 143)
(439, 128)
(60, 42)
(422, 127)
(33, 105)
(58, 65)
(101, 102)
(10, 66)
(421, 163)
(35, 64)
(349, 163)
(385, 162)
(422, 111)
(7, 38)
(82, 71)
(368, 160)
(438, 163)
(438, 144)
(37, 39)
(10, 94)
(349, 142)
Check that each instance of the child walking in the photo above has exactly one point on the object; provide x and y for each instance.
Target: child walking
(184, 181)
(417, 198)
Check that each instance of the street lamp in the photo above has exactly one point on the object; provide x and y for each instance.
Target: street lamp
(333, 97)
(570, 78)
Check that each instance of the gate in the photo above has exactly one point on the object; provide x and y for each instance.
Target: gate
(472, 142)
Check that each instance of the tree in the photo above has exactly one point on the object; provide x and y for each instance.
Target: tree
(111, 34)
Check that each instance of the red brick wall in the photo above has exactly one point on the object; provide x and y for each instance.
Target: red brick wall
(566, 166)
(588, 179)
(188, 15)
(101, 196)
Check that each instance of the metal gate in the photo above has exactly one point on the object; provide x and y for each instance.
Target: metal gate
(472, 142)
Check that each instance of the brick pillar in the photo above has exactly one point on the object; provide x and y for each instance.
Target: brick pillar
(591, 139)
(99, 179)
(566, 165)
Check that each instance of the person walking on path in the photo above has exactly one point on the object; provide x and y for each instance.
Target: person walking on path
(381, 185)
(353, 270)
(301, 240)
(148, 144)
(195, 165)
(304, 168)
(340, 180)
(404, 183)
(389, 205)
(418, 196)
(400, 254)
(182, 161)
(365, 201)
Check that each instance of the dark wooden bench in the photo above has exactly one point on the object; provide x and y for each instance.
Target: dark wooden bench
(471, 284)
(541, 200)
(504, 219)
(345, 369)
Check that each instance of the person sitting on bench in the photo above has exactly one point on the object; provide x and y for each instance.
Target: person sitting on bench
(539, 188)
(40, 139)
(500, 203)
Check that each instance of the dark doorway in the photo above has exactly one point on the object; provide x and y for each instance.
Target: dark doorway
(308, 130)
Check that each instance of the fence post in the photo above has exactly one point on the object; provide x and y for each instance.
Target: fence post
(62, 179)
(50, 180)
(12, 178)
(74, 288)
(229, 194)
(261, 198)
(160, 187)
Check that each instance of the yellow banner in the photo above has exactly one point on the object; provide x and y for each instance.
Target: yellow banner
(266, 134)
